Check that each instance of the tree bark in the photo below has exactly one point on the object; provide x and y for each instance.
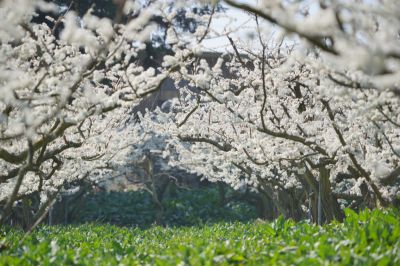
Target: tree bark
(330, 206)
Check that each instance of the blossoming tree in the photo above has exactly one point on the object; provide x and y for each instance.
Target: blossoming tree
(66, 103)
(310, 120)
(313, 126)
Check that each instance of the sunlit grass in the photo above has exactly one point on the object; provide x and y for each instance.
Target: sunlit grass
(368, 238)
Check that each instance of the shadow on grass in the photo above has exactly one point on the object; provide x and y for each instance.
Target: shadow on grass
(192, 207)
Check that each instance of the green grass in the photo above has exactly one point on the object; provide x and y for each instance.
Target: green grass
(368, 238)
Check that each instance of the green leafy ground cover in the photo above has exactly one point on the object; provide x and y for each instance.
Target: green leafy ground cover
(368, 238)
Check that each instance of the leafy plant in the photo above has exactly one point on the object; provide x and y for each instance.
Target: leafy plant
(366, 238)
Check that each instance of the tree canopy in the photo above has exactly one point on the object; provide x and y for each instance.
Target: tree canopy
(303, 111)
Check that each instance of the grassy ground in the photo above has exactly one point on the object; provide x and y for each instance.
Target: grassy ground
(368, 238)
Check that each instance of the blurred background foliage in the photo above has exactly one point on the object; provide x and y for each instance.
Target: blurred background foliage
(182, 207)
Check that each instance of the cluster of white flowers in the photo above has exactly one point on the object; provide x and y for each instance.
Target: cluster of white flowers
(310, 121)
(66, 104)
(319, 119)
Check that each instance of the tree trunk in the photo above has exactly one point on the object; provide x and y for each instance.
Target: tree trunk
(329, 204)
(222, 194)
(285, 202)
(265, 207)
